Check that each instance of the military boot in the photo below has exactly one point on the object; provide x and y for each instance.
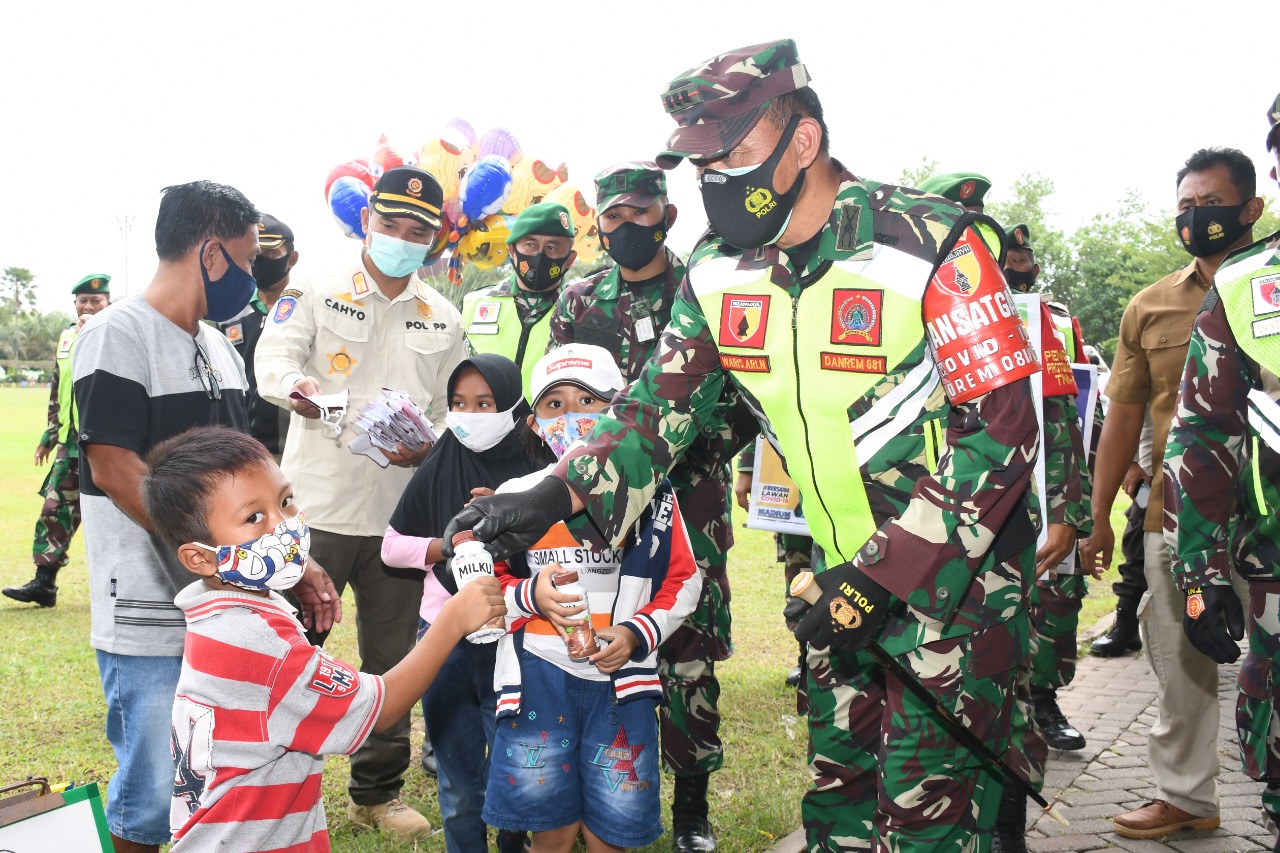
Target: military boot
(1011, 822)
(1057, 731)
(1121, 639)
(794, 676)
(39, 590)
(690, 829)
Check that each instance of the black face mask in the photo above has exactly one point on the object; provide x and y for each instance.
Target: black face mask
(633, 245)
(1208, 230)
(1020, 281)
(742, 205)
(268, 271)
(538, 272)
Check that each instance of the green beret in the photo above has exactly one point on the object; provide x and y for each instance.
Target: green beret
(93, 283)
(967, 188)
(1019, 237)
(546, 218)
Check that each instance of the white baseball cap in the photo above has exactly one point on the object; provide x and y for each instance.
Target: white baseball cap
(585, 365)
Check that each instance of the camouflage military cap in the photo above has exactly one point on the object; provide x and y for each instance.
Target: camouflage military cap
(717, 102)
(92, 283)
(637, 184)
(966, 188)
(1020, 238)
(1273, 116)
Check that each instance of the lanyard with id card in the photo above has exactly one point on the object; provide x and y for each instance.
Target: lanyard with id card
(642, 313)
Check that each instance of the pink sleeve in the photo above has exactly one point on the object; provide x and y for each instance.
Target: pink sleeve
(404, 552)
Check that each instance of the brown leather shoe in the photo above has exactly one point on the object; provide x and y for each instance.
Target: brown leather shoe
(1158, 818)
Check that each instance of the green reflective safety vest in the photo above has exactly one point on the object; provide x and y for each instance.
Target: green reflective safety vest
(1249, 286)
(817, 366)
(66, 385)
(492, 324)
(1068, 332)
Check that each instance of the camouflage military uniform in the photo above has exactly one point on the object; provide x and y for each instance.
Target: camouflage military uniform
(60, 514)
(880, 765)
(602, 310)
(1215, 451)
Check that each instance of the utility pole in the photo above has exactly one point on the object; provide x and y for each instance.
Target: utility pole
(125, 224)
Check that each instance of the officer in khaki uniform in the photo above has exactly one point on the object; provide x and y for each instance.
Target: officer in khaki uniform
(513, 318)
(60, 514)
(371, 325)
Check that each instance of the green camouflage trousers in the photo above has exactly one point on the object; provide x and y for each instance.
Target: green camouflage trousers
(60, 515)
(886, 776)
(1055, 616)
(1027, 753)
(689, 719)
(1257, 706)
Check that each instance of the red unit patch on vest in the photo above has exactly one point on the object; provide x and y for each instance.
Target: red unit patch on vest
(743, 321)
(855, 317)
(853, 363)
(977, 336)
(745, 363)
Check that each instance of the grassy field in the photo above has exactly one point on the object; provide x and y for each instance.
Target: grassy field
(52, 711)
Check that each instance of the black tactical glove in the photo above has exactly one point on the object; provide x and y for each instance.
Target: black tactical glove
(1214, 620)
(795, 609)
(849, 613)
(511, 522)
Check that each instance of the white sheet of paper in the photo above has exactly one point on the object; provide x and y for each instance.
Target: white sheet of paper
(325, 402)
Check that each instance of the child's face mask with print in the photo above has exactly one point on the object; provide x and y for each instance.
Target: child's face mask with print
(566, 413)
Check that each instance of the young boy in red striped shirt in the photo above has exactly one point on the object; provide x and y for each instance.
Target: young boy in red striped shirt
(257, 706)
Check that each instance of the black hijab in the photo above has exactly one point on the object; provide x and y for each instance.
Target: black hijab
(442, 486)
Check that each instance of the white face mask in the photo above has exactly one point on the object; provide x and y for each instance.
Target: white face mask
(479, 431)
(274, 560)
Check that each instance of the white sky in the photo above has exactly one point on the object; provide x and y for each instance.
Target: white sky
(104, 103)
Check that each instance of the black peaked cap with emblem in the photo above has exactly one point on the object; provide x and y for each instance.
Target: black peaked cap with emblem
(408, 191)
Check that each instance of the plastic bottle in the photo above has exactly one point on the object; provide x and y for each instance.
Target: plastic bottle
(471, 560)
(581, 640)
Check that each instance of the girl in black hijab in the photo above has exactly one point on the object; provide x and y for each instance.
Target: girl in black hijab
(486, 445)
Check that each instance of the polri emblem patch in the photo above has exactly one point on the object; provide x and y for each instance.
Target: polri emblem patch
(743, 321)
(855, 317)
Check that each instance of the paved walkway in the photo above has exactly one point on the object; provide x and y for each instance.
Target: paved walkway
(1112, 702)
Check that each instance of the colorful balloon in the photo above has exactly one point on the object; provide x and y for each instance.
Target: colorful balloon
(387, 156)
(459, 129)
(485, 245)
(448, 157)
(347, 197)
(356, 169)
(586, 240)
(531, 180)
(484, 189)
(502, 142)
(442, 238)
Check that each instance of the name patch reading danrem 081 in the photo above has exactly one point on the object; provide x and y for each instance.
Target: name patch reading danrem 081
(977, 336)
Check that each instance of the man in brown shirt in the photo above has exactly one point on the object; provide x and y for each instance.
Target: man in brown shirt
(1217, 206)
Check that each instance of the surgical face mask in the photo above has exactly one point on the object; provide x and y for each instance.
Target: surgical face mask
(395, 257)
(227, 296)
(538, 272)
(1208, 230)
(268, 271)
(563, 430)
(632, 245)
(741, 204)
(479, 431)
(274, 560)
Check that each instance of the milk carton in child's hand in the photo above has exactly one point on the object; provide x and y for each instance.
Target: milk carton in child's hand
(471, 560)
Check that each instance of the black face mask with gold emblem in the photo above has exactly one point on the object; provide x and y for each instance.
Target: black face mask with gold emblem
(538, 272)
(1020, 281)
(742, 205)
(1208, 230)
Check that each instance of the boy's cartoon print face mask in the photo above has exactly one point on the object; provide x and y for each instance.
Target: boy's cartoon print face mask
(563, 430)
(274, 560)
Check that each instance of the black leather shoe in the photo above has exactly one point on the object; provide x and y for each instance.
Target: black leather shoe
(793, 677)
(1057, 731)
(1010, 835)
(39, 590)
(429, 761)
(1121, 639)
(692, 836)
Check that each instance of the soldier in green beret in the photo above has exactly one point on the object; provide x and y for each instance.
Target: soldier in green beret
(60, 515)
(513, 318)
(967, 189)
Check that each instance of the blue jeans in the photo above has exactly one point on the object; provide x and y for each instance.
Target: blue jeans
(459, 709)
(139, 692)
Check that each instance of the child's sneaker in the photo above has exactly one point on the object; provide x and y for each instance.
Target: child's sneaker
(394, 817)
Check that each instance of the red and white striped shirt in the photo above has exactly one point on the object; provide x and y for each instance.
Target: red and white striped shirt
(257, 707)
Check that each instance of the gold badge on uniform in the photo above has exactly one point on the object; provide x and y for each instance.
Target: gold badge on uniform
(340, 362)
(360, 284)
(425, 311)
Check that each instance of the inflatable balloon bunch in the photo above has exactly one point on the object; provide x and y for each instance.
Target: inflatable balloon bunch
(487, 181)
